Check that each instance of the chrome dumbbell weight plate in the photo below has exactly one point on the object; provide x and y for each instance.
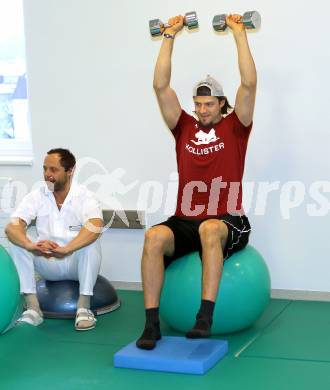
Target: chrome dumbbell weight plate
(156, 25)
(250, 19)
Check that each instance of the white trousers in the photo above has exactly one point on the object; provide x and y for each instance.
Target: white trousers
(83, 266)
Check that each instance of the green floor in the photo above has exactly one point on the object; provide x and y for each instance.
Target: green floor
(288, 348)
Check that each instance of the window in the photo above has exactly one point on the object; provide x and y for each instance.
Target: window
(15, 136)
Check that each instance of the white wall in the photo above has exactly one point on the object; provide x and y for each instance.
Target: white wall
(90, 66)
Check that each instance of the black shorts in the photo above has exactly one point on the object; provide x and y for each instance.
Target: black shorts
(187, 240)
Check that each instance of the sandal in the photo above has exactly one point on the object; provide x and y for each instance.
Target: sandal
(85, 315)
(31, 317)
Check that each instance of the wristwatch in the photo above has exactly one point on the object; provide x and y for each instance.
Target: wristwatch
(168, 36)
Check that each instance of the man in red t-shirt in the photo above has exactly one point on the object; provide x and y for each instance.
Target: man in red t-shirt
(210, 155)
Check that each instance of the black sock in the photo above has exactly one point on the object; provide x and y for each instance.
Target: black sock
(151, 332)
(206, 309)
(152, 315)
(204, 319)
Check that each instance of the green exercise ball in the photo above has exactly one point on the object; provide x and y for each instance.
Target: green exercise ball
(242, 297)
(9, 290)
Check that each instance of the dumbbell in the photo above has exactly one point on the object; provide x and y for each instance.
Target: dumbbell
(156, 25)
(250, 19)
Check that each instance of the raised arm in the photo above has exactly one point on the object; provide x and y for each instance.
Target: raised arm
(246, 94)
(167, 99)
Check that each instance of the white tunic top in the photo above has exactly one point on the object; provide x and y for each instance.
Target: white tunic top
(53, 224)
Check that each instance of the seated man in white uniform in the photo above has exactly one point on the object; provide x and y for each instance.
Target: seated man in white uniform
(68, 223)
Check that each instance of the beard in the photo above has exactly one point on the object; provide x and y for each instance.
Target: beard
(50, 185)
(59, 186)
(207, 124)
(210, 122)
(55, 186)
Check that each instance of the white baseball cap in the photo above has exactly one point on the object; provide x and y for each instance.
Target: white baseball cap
(212, 84)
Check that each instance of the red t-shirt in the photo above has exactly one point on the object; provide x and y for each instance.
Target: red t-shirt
(210, 165)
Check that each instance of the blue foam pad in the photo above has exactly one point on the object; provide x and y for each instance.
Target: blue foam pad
(174, 354)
